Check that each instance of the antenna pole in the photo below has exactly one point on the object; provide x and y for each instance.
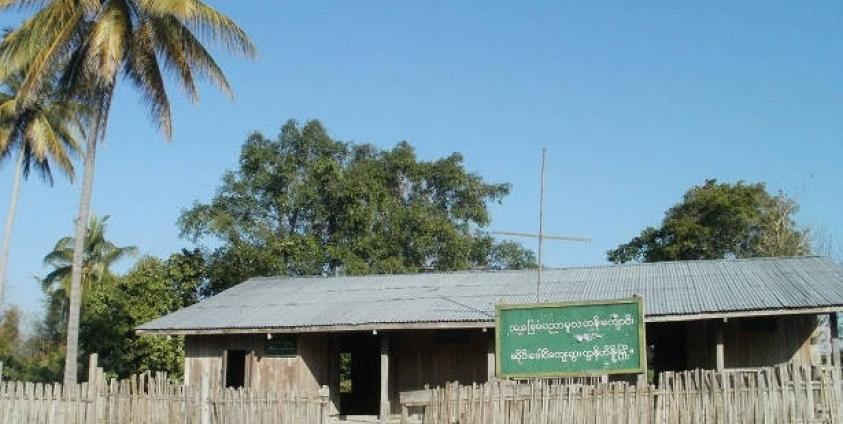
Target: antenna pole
(541, 228)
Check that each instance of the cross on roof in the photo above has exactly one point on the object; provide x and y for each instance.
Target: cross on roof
(540, 235)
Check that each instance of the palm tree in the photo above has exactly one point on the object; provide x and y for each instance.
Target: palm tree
(42, 134)
(95, 41)
(99, 255)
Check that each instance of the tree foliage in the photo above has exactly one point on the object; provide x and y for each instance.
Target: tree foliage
(89, 44)
(112, 310)
(26, 358)
(306, 204)
(720, 220)
(100, 255)
(43, 134)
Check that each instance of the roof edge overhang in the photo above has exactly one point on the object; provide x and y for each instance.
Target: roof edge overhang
(468, 324)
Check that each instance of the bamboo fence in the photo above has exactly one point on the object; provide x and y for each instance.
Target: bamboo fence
(153, 399)
(783, 394)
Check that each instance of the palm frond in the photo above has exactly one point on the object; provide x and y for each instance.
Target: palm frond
(208, 22)
(62, 253)
(43, 167)
(52, 147)
(143, 70)
(107, 41)
(55, 276)
(21, 45)
(21, 4)
(41, 66)
(42, 131)
(205, 20)
(118, 253)
(5, 137)
(173, 35)
(181, 9)
(172, 52)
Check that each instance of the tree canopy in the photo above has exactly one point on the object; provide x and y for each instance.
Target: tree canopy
(113, 309)
(720, 220)
(89, 44)
(307, 204)
(99, 256)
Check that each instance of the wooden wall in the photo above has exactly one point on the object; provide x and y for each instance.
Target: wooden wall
(306, 372)
(758, 342)
(435, 358)
(750, 342)
(416, 358)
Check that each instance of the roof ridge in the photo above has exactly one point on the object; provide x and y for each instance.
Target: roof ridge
(515, 271)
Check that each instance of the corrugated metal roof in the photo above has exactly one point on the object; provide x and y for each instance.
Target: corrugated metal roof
(669, 289)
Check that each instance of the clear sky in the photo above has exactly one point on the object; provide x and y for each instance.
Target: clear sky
(635, 101)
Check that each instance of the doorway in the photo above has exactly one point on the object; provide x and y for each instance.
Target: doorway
(667, 347)
(359, 368)
(235, 368)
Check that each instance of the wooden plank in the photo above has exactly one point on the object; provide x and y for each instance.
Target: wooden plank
(719, 351)
(490, 357)
(334, 374)
(384, 380)
(836, 365)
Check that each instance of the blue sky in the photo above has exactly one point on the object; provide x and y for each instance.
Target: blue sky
(636, 102)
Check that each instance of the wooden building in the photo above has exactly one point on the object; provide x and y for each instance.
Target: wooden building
(368, 338)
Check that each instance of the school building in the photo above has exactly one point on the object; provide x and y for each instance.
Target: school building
(368, 338)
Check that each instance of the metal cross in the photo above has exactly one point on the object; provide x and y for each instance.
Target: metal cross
(541, 236)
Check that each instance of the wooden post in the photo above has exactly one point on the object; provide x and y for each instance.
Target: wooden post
(91, 413)
(204, 401)
(1, 371)
(223, 370)
(490, 358)
(384, 403)
(835, 360)
(720, 354)
(835, 340)
(325, 404)
(334, 382)
(247, 369)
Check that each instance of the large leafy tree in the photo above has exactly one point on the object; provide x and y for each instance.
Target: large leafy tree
(91, 43)
(100, 255)
(720, 220)
(306, 204)
(42, 135)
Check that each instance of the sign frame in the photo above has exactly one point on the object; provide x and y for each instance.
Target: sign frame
(642, 339)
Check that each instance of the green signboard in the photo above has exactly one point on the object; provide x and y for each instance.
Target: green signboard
(570, 339)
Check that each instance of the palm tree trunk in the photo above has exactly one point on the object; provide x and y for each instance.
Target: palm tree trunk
(70, 361)
(10, 219)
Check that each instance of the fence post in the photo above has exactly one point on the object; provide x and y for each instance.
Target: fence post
(204, 401)
(324, 404)
(91, 401)
(1, 371)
